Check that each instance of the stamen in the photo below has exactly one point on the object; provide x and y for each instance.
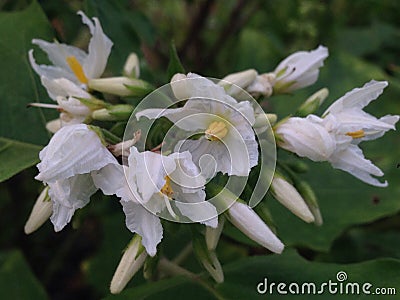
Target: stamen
(169, 207)
(167, 189)
(356, 134)
(216, 131)
(76, 67)
(44, 105)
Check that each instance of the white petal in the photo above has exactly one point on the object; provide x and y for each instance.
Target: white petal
(184, 118)
(150, 170)
(111, 180)
(195, 207)
(64, 88)
(352, 160)
(58, 53)
(52, 72)
(68, 195)
(72, 150)
(301, 64)
(142, 222)
(99, 49)
(247, 221)
(306, 137)
(358, 98)
(186, 175)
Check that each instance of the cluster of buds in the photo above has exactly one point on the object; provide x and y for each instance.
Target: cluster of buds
(162, 185)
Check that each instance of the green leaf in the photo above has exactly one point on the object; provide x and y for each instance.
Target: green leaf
(175, 65)
(16, 156)
(17, 280)
(19, 85)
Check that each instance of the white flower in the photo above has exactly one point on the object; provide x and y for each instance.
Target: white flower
(299, 70)
(152, 182)
(335, 138)
(66, 163)
(72, 63)
(66, 80)
(226, 125)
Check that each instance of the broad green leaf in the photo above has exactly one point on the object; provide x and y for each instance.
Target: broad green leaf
(19, 85)
(16, 156)
(175, 65)
(17, 280)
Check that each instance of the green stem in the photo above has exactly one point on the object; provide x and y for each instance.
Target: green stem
(181, 257)
(171, 268)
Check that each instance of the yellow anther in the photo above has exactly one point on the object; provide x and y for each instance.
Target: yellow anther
(167, 189)
(356, 134)
(216, 131)
(76, 67)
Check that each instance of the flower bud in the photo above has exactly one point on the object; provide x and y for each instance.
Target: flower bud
(208, 259)
(312, 103)
(288, 196)
(119, 112)
(132, 67)
(235, 83)
(213, 234)
(121, 86)
(299, 70)
(179, 86)
(248, 222)
(41, 212)
(54, 125)
(132, 260)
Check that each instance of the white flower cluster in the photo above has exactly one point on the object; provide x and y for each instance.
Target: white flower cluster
(80, 159)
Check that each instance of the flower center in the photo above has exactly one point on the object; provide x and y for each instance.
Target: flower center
(216, 131)
(76, 67)
(356, 134)
(167, 189)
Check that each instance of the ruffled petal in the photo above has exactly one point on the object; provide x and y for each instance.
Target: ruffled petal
(142, 222)
(68, 195)
(72, 150)
(99, 48)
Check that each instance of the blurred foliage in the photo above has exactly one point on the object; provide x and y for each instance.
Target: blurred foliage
(212, 38)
